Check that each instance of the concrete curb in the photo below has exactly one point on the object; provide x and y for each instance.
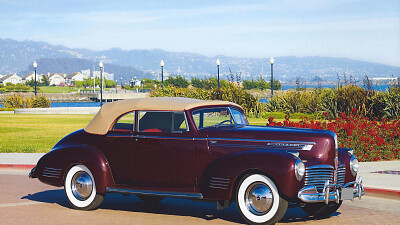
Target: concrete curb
(58, 110)
(16, 166)
(382, 193)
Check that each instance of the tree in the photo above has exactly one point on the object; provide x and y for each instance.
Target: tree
(30, 82)
(45, 81)
(277, 85)
(179, 81)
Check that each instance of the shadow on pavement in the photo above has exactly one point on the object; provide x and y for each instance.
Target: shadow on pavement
(50, 196)
(168, 206)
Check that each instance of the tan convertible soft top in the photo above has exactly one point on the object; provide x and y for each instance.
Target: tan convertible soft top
(104, 119)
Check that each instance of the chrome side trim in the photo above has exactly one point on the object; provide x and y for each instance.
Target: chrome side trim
(44, 175)
(219, 183)
(119, 135)
(157, 193)
(50, 168)
(51, 172)
(262, 140)
(162, 137)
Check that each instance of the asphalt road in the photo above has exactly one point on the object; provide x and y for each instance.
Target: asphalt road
(28, 201)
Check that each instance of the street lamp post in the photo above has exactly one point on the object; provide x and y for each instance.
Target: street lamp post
(116, 86)
(218, 62)
(162, 73)
(271, 60)
(121, 84)
(35, 66)
(101, 82)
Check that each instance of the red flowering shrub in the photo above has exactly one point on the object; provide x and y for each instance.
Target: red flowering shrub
(371, 140)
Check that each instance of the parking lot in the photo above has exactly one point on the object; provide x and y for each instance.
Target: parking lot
(28, 201)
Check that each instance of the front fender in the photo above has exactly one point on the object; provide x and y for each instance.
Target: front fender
(53, 166)
(220, 179)
(344, 157)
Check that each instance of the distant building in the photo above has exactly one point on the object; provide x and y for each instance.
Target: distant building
(11, 78)
(77, 76)
(85, 73)
(135, 82)
(31, 76)
(57, 79)
(107, 76)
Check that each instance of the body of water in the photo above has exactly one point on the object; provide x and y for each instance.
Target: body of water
(375, 87)
(75, 104)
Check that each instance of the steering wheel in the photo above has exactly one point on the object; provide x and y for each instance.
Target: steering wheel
(224, 122)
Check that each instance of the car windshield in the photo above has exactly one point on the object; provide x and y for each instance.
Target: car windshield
(215, 117)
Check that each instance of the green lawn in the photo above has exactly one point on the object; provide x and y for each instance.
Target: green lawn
(36, 133)
(57, 89)
(39, 133)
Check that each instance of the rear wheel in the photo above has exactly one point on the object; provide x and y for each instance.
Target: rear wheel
(258, 200)
(321, 210)
(80, 189)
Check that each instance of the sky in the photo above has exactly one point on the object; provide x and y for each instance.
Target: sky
(367, 30)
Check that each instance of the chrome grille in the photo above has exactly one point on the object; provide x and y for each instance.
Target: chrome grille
(341, 174)
(318, 175)
(219, 183)
(51, 172)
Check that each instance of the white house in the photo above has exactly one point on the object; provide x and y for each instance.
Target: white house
(31, 76)
(57, 79)
(11, 78)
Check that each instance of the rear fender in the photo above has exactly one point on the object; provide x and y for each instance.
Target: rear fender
(220, 179)
(60, 160)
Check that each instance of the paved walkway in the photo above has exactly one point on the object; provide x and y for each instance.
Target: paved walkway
(28, 201)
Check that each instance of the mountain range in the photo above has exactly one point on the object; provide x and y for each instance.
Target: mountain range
(17, 57)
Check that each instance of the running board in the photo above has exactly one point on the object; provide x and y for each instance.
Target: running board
(156, 193)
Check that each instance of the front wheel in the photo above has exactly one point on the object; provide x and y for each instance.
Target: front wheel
(258, 200)
(80, 189)
(321, 210)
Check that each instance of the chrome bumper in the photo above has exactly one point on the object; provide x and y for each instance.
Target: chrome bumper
(332, 192)
(32, 174)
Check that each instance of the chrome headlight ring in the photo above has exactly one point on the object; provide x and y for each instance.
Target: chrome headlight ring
(299, 169)
(354, 165)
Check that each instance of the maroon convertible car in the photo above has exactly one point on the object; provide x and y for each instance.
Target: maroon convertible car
(188, 148)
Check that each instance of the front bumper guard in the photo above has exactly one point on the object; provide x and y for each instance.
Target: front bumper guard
(332, 192)
(32, 174)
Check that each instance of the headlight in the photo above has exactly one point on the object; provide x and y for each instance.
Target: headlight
(354, 165)
(299, 169)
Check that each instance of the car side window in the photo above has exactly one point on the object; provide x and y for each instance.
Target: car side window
(166, 122)
(125, 123)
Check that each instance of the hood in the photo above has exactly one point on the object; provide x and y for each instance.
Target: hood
(314, 146)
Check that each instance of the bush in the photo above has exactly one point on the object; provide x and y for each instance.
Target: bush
(375, 105)
(232, 93)
(261, 84)
(17, 101)
(371, 141)
(210, 83)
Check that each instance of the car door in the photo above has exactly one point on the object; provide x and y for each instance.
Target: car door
(118, 149)
(164, 157)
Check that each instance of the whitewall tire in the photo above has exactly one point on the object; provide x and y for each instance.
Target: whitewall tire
(80, 188)
(258, 200)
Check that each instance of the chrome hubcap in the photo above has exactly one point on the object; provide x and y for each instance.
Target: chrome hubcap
(82, 185)
(259, 198)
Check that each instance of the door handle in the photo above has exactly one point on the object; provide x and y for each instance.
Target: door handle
(137, 137)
